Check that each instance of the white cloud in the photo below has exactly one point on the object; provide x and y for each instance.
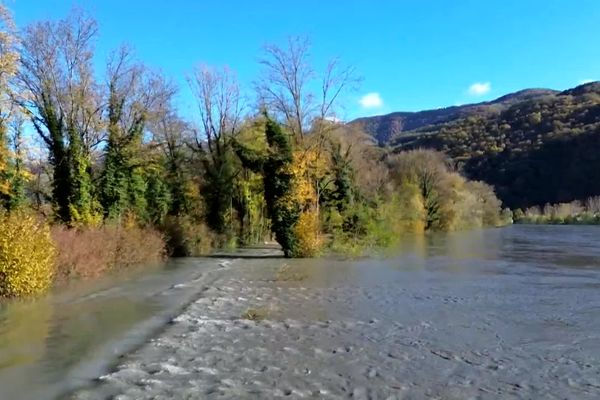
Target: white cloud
(584, 81)
(479, 88)
(371, 100)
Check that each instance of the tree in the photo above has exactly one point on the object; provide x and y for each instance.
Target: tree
(11, 177)
(170, 133)
(342, 177)
(14, 174)
(286, 87)
(63, 102)
(134, 96)
(218, 96)
(304, 101)
(276, 168)
(426, 169)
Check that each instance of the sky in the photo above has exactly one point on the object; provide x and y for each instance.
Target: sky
(411, 55)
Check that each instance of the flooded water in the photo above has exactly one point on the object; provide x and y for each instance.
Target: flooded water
(56, 344)
(504, 313)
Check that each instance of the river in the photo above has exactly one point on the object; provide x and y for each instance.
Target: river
(498, 313)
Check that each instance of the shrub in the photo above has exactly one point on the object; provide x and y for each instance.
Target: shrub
(308, 235)
(186, 237)
(575, 212)
(92, 251)
(26, 255)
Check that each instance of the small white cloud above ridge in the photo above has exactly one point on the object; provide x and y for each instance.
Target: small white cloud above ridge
(480, 88)
(371, 100)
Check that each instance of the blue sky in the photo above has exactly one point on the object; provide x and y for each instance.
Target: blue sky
(412, 55)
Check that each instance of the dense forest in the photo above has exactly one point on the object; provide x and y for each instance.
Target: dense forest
(100, 172)
(535, 146)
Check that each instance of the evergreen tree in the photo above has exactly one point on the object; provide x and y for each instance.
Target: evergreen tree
(157, 197)
(275, 167)
(343, 178)
(82, 202)
(133, 96)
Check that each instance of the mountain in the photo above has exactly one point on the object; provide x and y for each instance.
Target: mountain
(385, 127)
(535, 146)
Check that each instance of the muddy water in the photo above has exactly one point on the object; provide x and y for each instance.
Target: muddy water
(506, 313)
(54, 345)
(510, 313)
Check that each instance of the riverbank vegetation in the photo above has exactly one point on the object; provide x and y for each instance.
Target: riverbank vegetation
(104, 171)
(573, 213)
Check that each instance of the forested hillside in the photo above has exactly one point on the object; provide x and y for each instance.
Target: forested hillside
(535, 146)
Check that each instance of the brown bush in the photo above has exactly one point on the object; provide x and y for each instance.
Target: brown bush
(186, 237)
(91, 252)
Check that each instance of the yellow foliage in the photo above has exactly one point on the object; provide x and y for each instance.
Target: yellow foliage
(308, 234)
(129, 220)
(4, 186)
(305, 167)
(411, 210)
(27, 255)
(85, 219)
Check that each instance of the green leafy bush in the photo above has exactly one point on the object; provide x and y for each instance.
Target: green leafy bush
(26, 255)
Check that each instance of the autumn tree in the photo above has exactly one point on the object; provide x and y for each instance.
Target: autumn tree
(64, 105)
(305, 101)
(134, 95)
(11, 176)
(426, 169)
(219, 104)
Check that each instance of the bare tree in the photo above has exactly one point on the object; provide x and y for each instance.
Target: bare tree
(219, 104)
(170, 133)
(135, 94)
(364, 158)
(290, 86)
(57, 73)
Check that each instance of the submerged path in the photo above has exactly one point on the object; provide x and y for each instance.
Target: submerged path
(507, 316)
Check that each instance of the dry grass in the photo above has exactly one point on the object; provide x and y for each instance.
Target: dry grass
(92, 252)
(256, 314)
